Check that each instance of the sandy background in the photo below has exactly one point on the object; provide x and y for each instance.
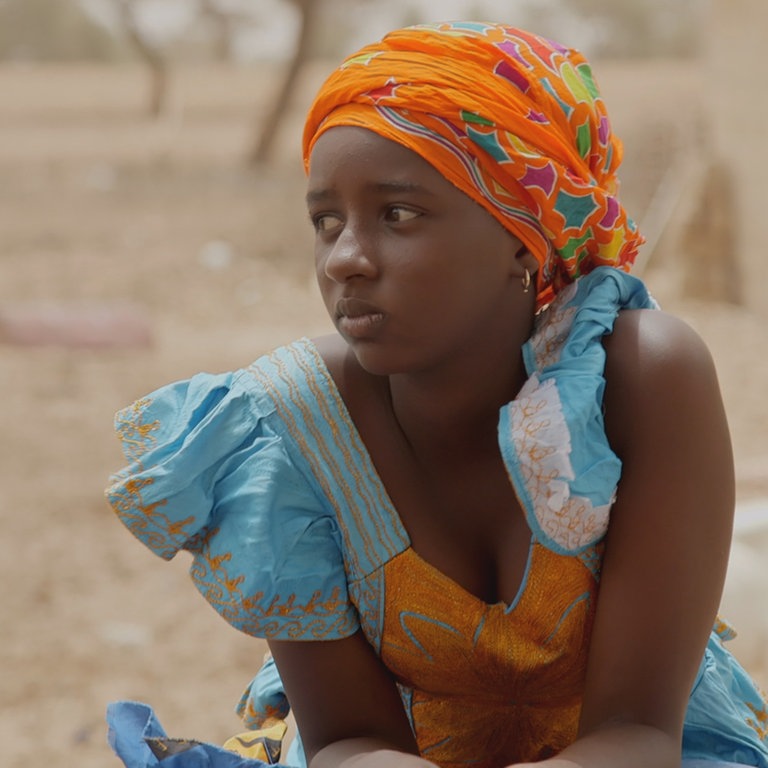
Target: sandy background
(100, 205)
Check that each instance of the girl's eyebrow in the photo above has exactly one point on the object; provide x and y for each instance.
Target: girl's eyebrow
(314, 196)
(401, 186)
(318, 195)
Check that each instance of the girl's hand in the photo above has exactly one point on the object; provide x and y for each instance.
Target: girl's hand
(366, 753)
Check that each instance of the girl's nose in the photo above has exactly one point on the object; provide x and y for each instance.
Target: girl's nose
(348, 257)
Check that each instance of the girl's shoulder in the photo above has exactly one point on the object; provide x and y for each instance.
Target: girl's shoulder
(647, 342)
(655, 364)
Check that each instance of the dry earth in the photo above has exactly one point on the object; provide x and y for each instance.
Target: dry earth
(98, 204)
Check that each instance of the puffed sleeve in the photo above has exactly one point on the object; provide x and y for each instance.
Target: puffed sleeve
(210, 472)
(552, 436)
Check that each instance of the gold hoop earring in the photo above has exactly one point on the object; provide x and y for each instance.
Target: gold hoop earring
(526, 281)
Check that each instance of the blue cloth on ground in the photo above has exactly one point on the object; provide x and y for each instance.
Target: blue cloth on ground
(132, 724)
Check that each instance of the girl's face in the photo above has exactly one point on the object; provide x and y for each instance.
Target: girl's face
(412, 272)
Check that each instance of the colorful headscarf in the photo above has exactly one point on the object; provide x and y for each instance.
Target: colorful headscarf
(513, 120)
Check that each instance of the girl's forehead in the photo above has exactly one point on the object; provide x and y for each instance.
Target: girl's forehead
(352, 149)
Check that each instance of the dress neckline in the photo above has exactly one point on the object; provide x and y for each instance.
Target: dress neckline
(368, 469)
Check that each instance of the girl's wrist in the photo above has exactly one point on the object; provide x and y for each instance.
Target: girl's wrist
(366, 753)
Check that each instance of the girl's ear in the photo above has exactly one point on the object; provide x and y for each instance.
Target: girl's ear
(526, 260)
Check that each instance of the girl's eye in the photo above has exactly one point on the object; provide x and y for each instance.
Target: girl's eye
(325, 222)
(398, 213)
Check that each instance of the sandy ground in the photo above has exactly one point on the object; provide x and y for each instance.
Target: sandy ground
(98, 204)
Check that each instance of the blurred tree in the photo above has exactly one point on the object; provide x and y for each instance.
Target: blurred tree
(316, 18)
(270, 123)
(225, 19)
(223, 24)
(52, 30)
(151, 53)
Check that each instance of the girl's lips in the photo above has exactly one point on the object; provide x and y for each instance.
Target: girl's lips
(357, 318)
(352, 307)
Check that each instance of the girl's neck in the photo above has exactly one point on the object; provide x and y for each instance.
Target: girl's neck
(442, 412)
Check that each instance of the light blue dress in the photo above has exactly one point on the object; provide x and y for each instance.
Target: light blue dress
(263, 477)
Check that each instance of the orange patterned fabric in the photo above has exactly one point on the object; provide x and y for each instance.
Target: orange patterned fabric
(513, 120)
(483, 684)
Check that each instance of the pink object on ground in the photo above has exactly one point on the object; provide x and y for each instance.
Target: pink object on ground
(97, 325)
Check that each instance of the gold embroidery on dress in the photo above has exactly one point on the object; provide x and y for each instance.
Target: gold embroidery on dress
(324, 463)
(537, 425)
(361, 506)
(552, 328)
(760, 723)
(378, 544)
(351, 449)
(135, 436)
(144, 519)
(148, 523)
(366, 594)
(249, 613)
(375, 510)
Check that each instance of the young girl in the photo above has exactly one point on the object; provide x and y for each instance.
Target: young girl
(487, 522)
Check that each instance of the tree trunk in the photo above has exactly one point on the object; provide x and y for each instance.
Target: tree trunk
(271, 123)
(223, 25)
(152, 56)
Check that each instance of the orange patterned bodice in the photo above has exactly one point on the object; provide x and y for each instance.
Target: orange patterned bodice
(499, 681)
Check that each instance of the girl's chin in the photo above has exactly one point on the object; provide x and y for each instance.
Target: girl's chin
(379, 360)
